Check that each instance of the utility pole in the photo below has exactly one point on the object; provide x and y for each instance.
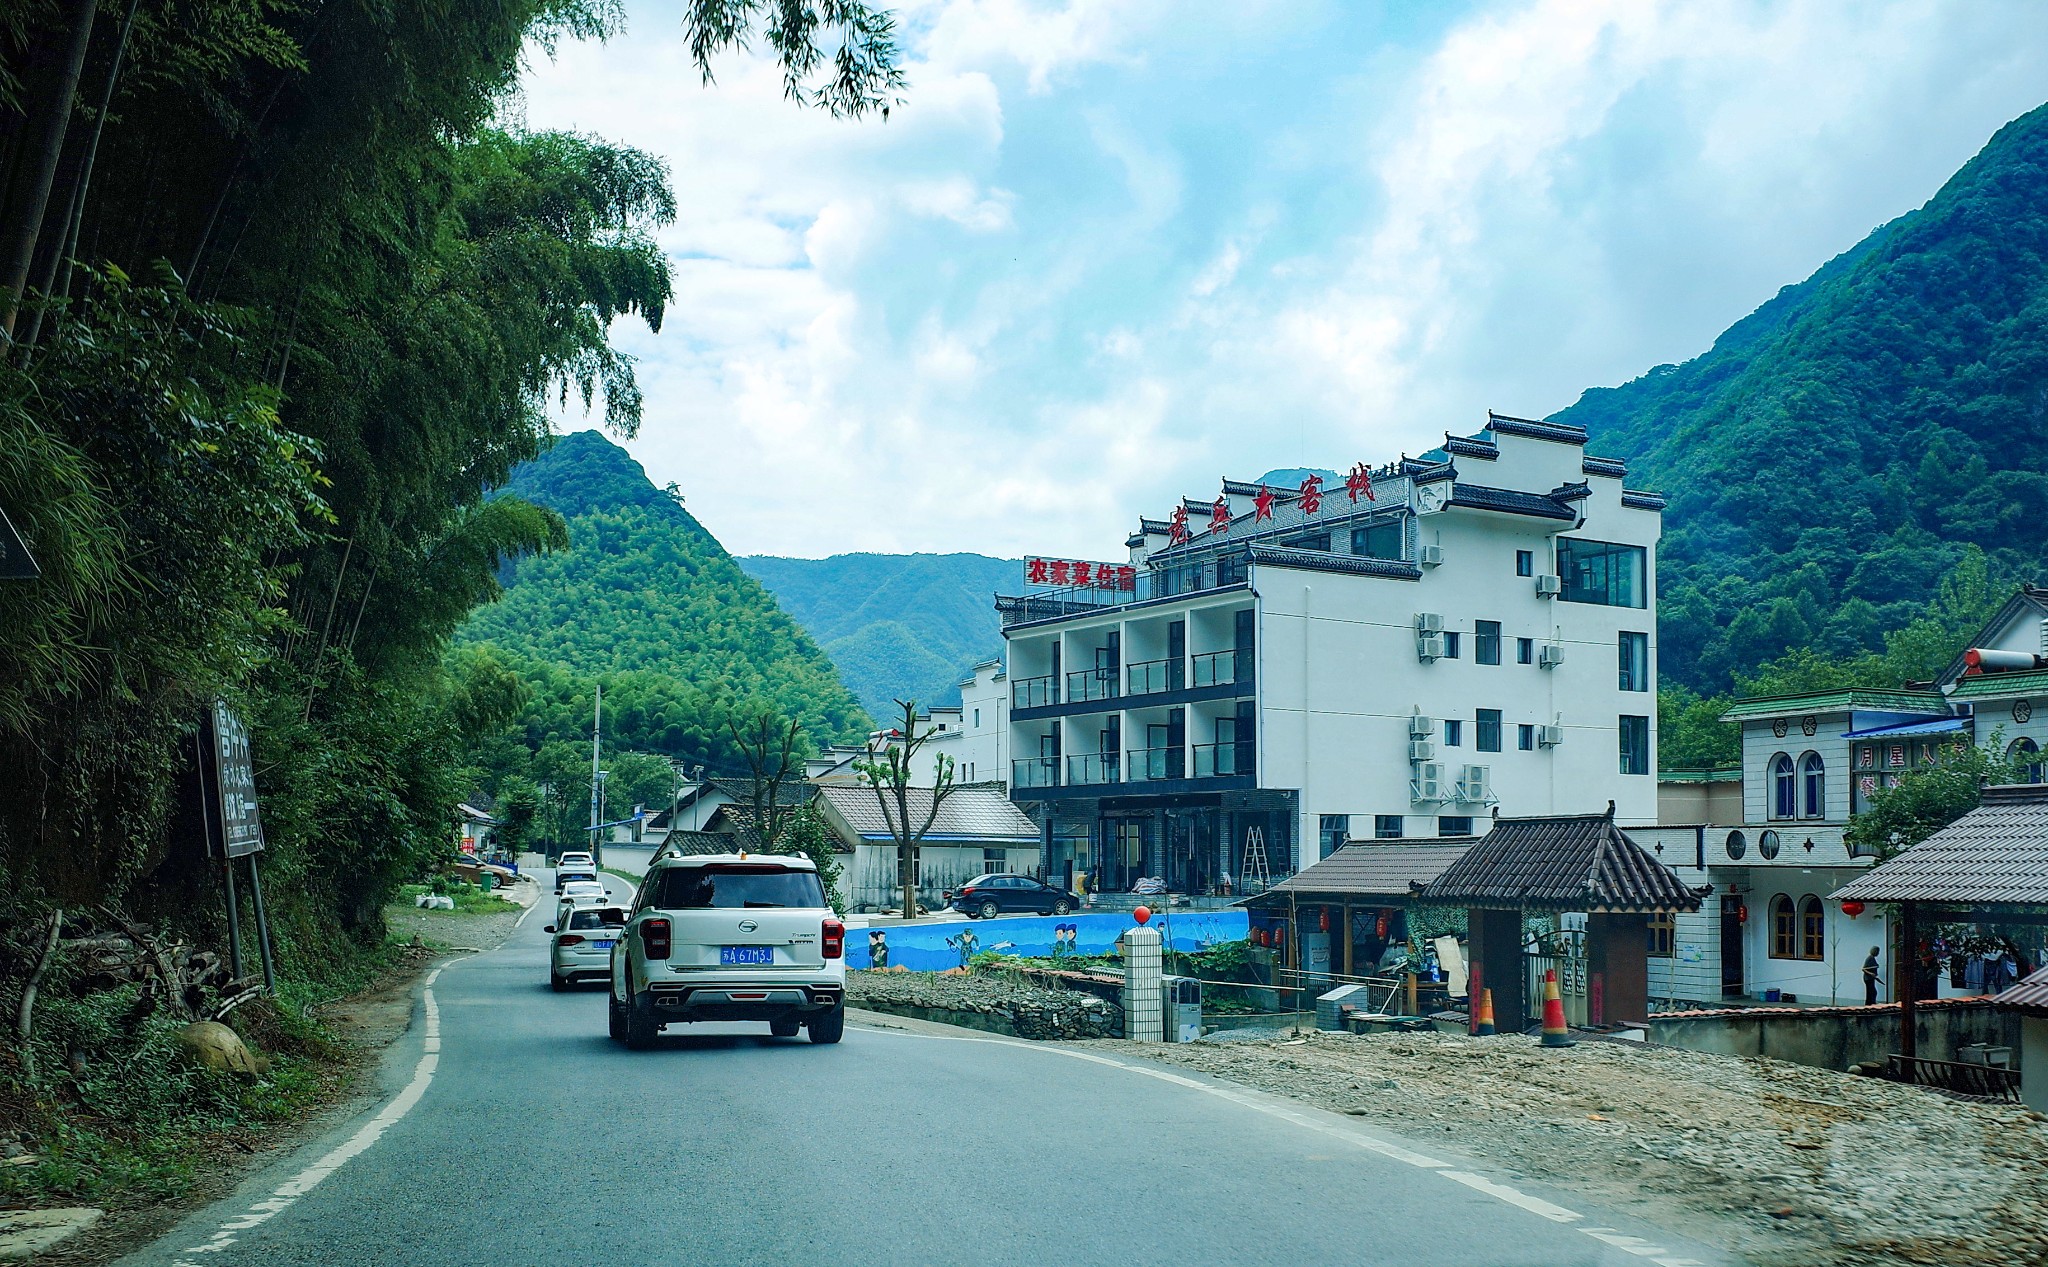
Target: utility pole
(596, 778)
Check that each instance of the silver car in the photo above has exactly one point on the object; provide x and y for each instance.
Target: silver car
(581, 949)
(580, 893)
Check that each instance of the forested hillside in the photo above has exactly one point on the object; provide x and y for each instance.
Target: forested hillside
(899, 626)
(1838, 453)
(643, 588)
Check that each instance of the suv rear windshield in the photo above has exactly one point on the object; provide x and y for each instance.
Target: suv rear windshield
(699, 888)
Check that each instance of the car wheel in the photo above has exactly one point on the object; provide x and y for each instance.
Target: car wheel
(988, 910)
(785, 1028)
(1061, 906)
(641, 1029)
(828, 1027)
(556, 983)
(616, 1015)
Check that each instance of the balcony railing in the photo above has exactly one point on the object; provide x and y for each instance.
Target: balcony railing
(1216, 668)
(1035, 692)
(1149, 677)
(1091, 768)
(1215, 760)
(1091, 684)
(1154, 763)
(1035, 772)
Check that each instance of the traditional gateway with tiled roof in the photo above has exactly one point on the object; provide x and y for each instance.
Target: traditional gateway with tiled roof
(2030, 999)
(976, 830)
(1390, 654)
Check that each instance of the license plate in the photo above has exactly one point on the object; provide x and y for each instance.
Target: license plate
(746, 954)
(603, 945)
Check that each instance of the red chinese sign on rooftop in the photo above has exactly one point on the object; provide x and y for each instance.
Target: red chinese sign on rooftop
(1080, 572)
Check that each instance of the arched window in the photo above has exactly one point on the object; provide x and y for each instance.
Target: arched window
(2027, 754)
(1813, 929)
(1784, 929)
(1784, 788)
(1813, 786)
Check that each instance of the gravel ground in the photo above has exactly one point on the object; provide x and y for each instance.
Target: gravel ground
(459, 930)
(1779, 1162)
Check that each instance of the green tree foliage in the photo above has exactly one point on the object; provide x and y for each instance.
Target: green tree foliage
(1838, 454)
(637, 778)
(807, 834)
(519, 811)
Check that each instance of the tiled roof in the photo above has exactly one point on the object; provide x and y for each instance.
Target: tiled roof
(1482, 448)
(1572, 492)
(1432, 472)
(1561, 432)
(1836, 702)
(701, 844)
(1640, 499)
(1612, 468)
(1324, 561)
(1904, 729)
(1510, 501)
(1579, 862)
(1378, 870)
(788, 792)
(972, 813)
(1155, 527)
(2002, 685)
(2029, 996)
(1996, 853)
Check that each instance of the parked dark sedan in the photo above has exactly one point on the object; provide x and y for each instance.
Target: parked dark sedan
(987, 896)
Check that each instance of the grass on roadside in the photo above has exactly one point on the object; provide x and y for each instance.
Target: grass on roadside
(469, 899)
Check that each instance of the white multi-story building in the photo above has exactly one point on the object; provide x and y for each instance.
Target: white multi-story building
(1396, 654)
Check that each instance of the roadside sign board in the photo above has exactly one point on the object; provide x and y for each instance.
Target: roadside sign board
(16, 563)
(234, 782)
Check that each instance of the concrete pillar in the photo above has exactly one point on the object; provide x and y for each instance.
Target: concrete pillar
(1617, 968)
(1144, 986)
(2033, 1062)
(1496, 944)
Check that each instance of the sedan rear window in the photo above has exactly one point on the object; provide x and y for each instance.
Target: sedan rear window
(588, 917)
(700, 888)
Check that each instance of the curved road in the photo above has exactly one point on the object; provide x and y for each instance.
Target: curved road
(514, 1133)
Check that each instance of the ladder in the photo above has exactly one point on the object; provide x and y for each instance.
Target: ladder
(1254, 873)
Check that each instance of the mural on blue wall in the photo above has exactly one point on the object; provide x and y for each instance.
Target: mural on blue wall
(936, 947)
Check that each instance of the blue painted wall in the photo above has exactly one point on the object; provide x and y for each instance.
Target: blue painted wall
(936, 947)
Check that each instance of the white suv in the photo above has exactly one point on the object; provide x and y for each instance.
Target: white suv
(730, 937)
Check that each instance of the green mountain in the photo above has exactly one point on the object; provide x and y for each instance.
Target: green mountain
(644, 587)
(899, 626)
(1837, 453)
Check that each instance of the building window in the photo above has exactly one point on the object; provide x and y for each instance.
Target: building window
(1635, 662)
(977, 719)
(1767, 844)
(1314, 541)
(1736, 845)
(1784, 788)
(1525, 737)
(1601, 572)
(1525, 651)
(995, 861)
(1486, 642)
(1635, 745)
(1386, 827)
(1460, 825)
(1813, 786)
(1487, 728)
(1525, 563)
(1663, 931)
(1454, 733)
(2026, 754)
(1378, 541)
(1784, 929)
(1336, 828)
(1813, 929)
(1450, 644)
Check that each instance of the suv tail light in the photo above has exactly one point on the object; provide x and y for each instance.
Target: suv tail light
(569, 939)
(654, 938)
(834, 939)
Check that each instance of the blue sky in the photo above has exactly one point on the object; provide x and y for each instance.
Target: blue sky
(1109, 253)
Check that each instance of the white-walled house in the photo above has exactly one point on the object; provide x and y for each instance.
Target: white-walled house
(976, 831)
(1399, 654)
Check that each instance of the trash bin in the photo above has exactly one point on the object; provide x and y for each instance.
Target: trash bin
(1182, 1008)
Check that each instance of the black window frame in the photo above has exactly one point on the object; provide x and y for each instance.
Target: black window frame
(1363, 538)
(1632, 650)
(1444, 825)
(1525, 563)
(1451, 644)
(1634, 758)
(1486, 724)
(1323, 828)
(1525, 651)
(1454, 732)
(1586, 573)
(1486, 642)
(1388, 827)
(1525, 737)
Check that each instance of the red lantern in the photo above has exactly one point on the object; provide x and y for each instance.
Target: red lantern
(1852, 909)
(1380, 926)
(1323, 919)
(1142, 914)
(1742, 912)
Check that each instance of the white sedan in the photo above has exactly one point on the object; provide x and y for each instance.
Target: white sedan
(580, 893)
(581, 949)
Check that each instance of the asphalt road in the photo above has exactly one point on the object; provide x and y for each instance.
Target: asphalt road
(514, 1133)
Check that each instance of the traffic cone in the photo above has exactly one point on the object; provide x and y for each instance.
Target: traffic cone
(1485, 1025)
(1555, 1032)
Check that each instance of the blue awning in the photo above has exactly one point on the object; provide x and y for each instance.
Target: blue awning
(1943, 726)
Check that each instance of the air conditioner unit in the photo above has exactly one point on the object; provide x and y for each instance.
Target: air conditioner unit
(1427, 782)
(1428, 623)
(1430, 556)
(1429, 647)
(1549, 656)
(1548, 586)
(1421, 750)
(1475, 785)
(1549, 736)
(1420, 727)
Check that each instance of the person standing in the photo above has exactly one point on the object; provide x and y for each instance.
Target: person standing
(1870, 978)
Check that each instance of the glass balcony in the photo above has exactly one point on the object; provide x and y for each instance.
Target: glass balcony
(1215, 760)
(1035, 692)
(1154, 763)
(1091, 768)
(1091, 684)
(1216, 668)
(1149, 677)
(1035, 772)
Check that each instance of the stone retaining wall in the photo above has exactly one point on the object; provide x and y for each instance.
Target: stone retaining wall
(1835, 1037)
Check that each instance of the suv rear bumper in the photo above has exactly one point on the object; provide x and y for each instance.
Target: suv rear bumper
(739, 1000)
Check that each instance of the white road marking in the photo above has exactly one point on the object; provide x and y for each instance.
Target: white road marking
(1353, 1135)
(286, 1194)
